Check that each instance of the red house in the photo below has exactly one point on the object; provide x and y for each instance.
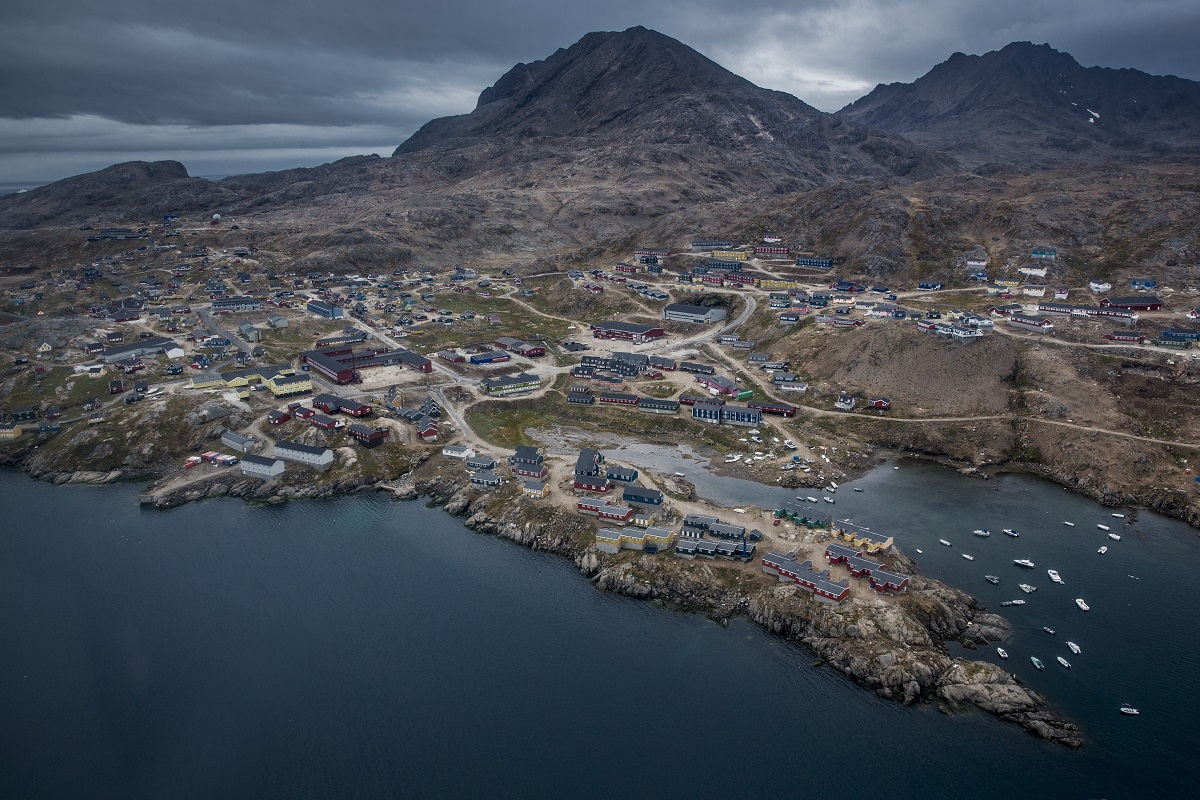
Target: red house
(882, 403)
(595, 483)
(1148, 303)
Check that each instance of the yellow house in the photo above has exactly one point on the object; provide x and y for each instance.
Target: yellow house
(207, 382)
(777, 284)
(535, 489)
(9, 432)
(732, 255)
(869, 541)
(611, 540)
(1007, 282)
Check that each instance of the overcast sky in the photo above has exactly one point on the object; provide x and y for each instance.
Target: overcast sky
(231, 86)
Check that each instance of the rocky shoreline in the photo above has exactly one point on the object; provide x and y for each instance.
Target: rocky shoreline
(895, 647)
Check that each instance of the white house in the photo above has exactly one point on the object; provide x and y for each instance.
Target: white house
(458, 451)
(261, 467)
(1099, 286)
(318, 457)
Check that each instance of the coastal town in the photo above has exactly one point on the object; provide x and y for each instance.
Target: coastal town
(525, 384)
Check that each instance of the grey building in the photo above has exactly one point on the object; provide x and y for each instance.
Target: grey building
(319, 457)
(681, 312)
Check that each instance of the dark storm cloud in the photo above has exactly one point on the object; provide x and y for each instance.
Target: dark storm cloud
(140, 77)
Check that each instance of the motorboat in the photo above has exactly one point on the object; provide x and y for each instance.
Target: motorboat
(1063, 661)
(943, 542)
(1129, 711)
(827, 499)
(1102, 550)
(1011, 532)
(982, 532)
(1000, 651)
(919, 550)
(1082, 605)
(1119, 516)
(967, 557)
(1054, 576)
(1007, 603)
(991, 579)
(1074, 647)
(1026, 588)
(1037, 662)
(1102, 527)
(1116, 537)
(1069, 524)
(1050, 631)
(1024, 562)
(857, 489)
(732, 459)
(810, 499)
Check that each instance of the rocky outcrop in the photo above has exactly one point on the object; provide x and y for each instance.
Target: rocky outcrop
(895, 646)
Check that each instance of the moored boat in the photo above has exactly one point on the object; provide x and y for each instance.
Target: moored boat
(1054, 576)
(1011, 532)
(1008, 603)
(1116, 537)
(919, 550)
(1049, 630)
(1130, 711)
(1102, 527)
(1037, 662)
(809, 499)
(1102, 550)
(1000, 651)
(967, 557)
(1024, 562)
(982, 532)
(1026, 588)
(1082, 605)
(1074, 647)
(827, 499)
(1069, 524)
(1063, 661)
(1119, 516)
(857, 489)
(943, 542)
(991, 578)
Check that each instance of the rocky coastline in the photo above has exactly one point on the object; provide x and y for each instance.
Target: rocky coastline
(897, 649)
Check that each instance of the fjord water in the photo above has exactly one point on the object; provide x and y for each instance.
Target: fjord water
(365, 648)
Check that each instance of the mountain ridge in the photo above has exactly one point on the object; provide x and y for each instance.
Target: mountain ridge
(1031, 105)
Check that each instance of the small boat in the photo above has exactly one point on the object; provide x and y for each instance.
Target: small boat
(1069, 524)
(1023, 562)
(943, 542)
(857, 489)
(1116, 537)
(732, 459)
(1129, 711)
(1007, 603)
(981, 532)
(1037, 662)
(1102, 550)
(827, 499)
(991, 579)
(809, 499)
(1026, 588)
(967, 557)
(1063, 661)
(680, 475)
(1000, 651)
(1011, 532)
(833, 486)
(1074, 647)
(1050, 631)
(1102, 527)
(919, 550)
(1119, 516)
(1054, 576)
(1082, 605)
(895, 468)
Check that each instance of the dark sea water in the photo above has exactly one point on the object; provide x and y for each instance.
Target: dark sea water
(370, 649)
